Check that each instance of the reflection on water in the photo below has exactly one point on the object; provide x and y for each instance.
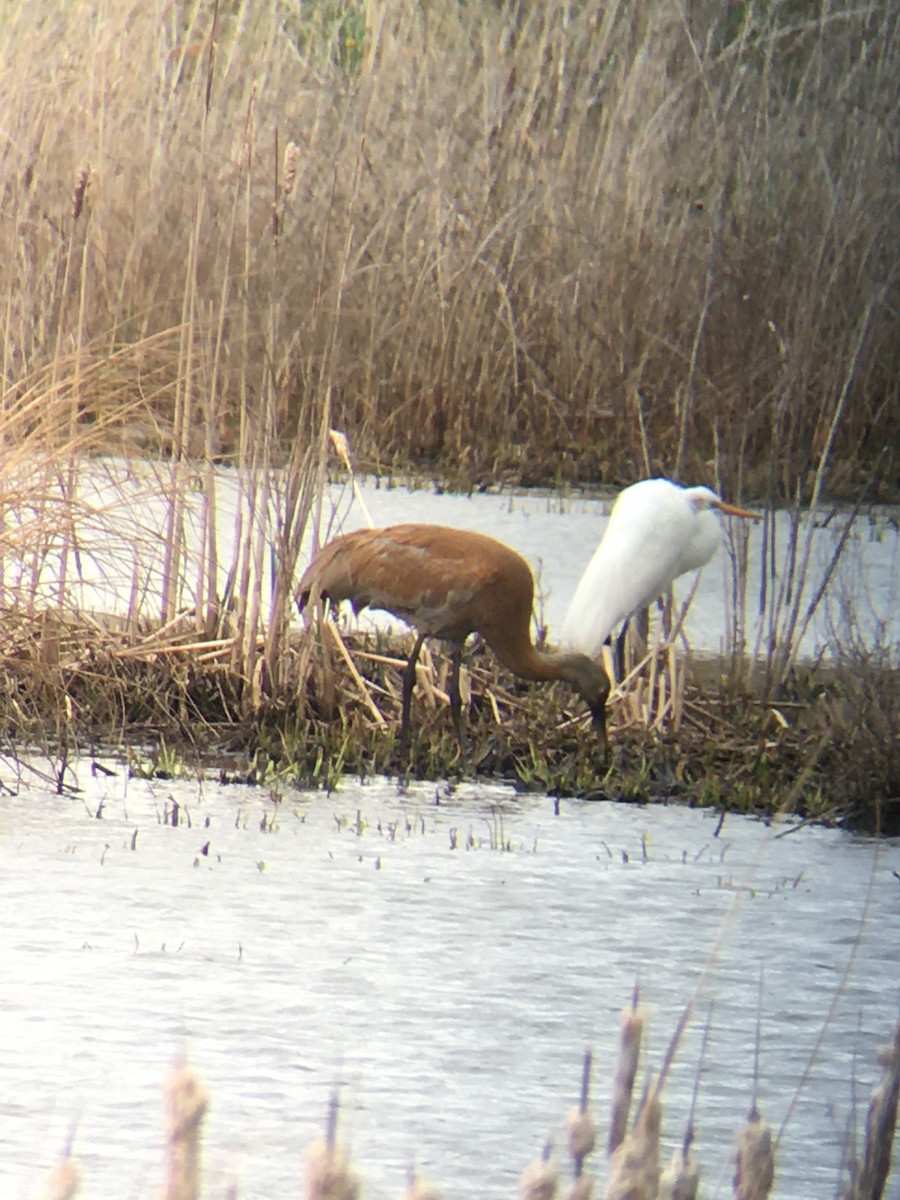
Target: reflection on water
(449, 993)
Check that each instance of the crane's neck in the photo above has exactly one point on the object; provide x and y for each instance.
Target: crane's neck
(583, 674)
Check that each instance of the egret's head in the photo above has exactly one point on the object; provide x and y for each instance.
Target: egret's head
(702, 499)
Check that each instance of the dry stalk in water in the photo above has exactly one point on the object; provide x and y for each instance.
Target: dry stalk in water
(186, 1103)
(421, 1189)
(328, 1174)
(870, 1176)
(582, 1188)
(581, 1133)
(754, 1159)
(631, 1024)
(540, 1179)
(634, 1167)
(681, 1178)
(63, 1181)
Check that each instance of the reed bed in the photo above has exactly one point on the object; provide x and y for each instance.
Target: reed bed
(495, 241)
(634, 1170)
(173, 701)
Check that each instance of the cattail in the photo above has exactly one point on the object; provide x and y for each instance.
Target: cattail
(328, 1175)
(754, 1159)
(582, 1188)
(631, 1025)
(186, 1104)
(62, 1182)
(421, 1189)
(289, 168)
(681, 1178)
(78, 194)
(634, 1167)
(540, 1179)
(870, 1178)
(581, 1132)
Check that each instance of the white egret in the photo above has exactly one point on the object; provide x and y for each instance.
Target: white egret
(657, 531)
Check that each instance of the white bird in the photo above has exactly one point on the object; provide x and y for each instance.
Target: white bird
(657, 531)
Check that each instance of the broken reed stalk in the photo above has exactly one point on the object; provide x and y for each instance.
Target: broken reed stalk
(580, 1128)
(186, 1102)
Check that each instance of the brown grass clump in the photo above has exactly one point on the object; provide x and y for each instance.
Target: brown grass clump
(510, 242)
(66, 681)
(421, 1189)
(328, 1175)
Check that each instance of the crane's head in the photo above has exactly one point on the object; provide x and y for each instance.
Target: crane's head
(592, 684)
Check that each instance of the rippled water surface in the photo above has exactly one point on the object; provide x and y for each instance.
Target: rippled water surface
(443, 957)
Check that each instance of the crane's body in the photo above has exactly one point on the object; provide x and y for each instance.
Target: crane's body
(448, 583)
(657, 531)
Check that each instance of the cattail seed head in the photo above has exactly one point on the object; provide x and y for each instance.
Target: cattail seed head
(539, 1181)
(754, 1160)
(581, 1132)
(328, 1176)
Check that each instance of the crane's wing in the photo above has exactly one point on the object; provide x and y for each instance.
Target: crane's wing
(431, 576)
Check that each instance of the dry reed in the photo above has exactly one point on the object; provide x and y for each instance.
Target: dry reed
(666, 253)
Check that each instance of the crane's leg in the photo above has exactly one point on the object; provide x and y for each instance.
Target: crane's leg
(456, 654)
(409, 682)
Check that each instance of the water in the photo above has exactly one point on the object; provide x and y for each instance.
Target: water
(385, 944)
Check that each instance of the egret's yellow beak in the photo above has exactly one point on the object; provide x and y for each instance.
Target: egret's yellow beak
(734, 511)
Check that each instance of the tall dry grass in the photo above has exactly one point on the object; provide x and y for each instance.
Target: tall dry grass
(519, 241)
(528, 242)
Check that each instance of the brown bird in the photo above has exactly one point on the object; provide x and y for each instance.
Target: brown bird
(448, 583)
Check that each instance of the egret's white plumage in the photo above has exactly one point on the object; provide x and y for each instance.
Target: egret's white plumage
(657, 531)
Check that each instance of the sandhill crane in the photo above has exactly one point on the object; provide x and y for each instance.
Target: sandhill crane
(448, 583)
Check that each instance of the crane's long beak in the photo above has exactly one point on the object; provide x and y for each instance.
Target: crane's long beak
(734, 511)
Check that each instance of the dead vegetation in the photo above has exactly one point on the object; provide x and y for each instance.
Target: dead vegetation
(829, 754)
(500, 242)
(634, 1169)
